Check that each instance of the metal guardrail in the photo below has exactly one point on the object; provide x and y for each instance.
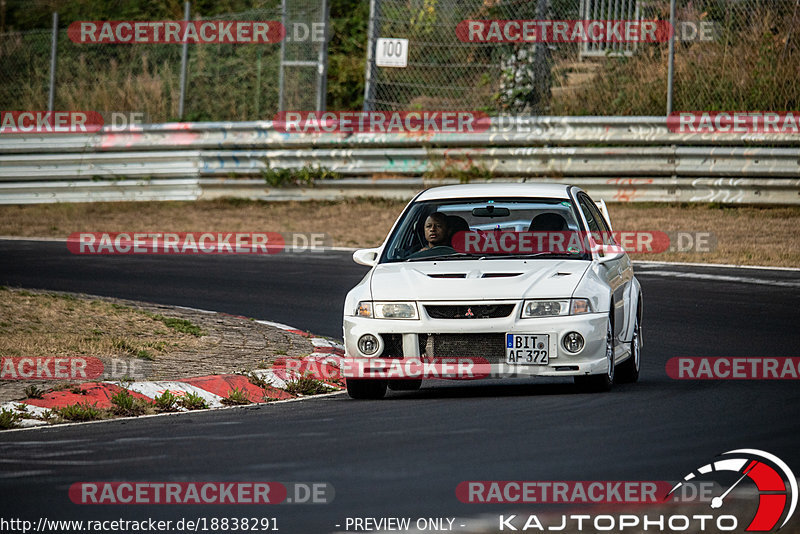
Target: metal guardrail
(507, 131)
(617, 158)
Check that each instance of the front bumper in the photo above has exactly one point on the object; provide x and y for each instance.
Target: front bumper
(471, 348)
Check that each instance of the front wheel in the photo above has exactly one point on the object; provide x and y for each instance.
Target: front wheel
(601, 382)
(629, 369)
(365, 388)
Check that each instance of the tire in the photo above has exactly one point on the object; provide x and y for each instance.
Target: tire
(604, 381)
(628, 371)
(364, 388)
(405, 385)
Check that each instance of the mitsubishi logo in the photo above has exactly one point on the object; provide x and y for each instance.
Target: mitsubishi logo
(469, 313)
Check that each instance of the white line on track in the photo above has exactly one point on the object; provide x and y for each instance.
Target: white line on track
(721, 278)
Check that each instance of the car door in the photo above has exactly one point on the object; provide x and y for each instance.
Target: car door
(617, 273)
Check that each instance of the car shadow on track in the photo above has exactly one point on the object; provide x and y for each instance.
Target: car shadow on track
(443, 389)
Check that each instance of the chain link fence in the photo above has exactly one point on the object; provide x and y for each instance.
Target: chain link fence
(729, 55)
(443, 72)
(224, 81)
(25, 70)
(736, 54)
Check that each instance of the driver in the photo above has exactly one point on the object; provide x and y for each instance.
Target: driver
(437, 231)
(437, 234)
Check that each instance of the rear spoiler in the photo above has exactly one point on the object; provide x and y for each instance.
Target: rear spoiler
(604, 210)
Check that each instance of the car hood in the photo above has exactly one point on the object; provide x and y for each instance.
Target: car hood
(477, 279)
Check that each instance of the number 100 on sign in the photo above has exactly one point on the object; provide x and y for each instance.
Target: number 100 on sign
(391, 52)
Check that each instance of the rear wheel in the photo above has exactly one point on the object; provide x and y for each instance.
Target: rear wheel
(601, 382)
(628, 371)
(365, 388)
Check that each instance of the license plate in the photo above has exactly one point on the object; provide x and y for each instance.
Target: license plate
(527, 349)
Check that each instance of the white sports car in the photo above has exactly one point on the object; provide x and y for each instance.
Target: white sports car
(494, 280)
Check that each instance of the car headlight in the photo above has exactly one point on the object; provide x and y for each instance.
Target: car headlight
(387, 310)
(545, 308)
(553, 308)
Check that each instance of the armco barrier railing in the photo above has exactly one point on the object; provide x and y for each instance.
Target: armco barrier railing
(617, 158)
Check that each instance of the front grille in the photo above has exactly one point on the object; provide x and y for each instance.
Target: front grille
(476, 311)
(490, 347)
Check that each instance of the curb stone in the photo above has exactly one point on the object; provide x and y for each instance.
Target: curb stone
(327, 356)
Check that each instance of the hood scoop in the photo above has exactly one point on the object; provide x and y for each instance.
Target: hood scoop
(475, 275)
(558, 275)
(499, 275)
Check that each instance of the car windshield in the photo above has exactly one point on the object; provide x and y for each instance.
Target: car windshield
(487, 228)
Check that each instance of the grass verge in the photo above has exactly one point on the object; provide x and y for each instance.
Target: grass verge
(39, 325)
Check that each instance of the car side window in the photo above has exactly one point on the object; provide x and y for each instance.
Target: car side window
(590, 219)
(595, 219)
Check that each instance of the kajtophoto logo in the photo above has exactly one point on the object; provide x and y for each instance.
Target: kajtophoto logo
(774, 481)
(715, 497)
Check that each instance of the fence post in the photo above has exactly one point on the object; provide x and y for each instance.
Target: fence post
(322, 68)
(671, 65)
(281, 82)
(51, 98)
(372, 40)
(184, 58)
(258, 86)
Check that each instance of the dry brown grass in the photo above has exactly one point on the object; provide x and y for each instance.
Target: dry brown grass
(39, 325)
(750, 235)
(745, 235)
(752, 64)
(349, 223)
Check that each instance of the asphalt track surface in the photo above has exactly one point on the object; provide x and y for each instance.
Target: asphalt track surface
(404, 456)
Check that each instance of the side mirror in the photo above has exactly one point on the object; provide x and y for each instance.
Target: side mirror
(608, 253)
(366, 256)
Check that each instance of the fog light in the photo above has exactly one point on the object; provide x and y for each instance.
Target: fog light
(368, 344)
(573, 342)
